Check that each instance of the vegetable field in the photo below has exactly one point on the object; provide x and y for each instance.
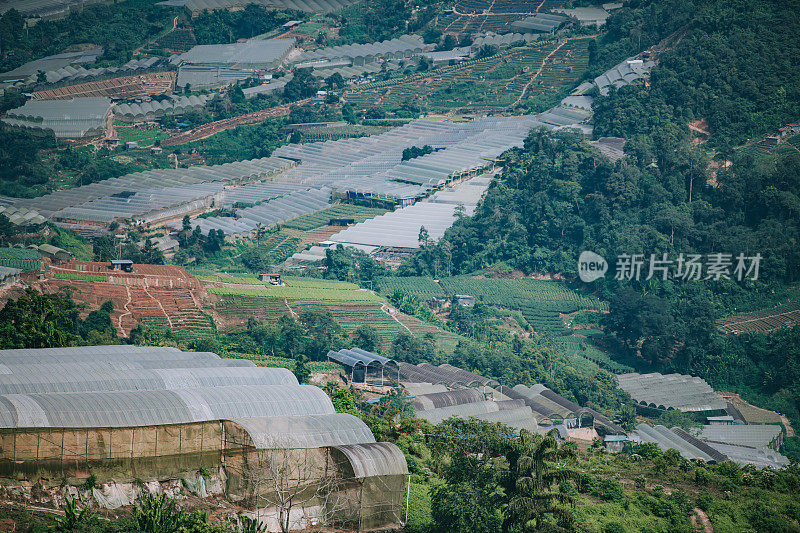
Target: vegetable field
(321, 218)
(82, 277)
(296, 293)
(586, 357)
(541, 302)
(490, 84)
(422, 287)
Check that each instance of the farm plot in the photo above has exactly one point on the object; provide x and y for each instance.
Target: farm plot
(587, 357)
(340, 132)
(783, 316)
(541, 302)
(322, 218)
(299, 293)
(144, 137)
(491, 84)
(422, 287)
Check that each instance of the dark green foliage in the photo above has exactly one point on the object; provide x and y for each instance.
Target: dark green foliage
(74, 520)
(46, 321)
(301, 371)
(20, 175)
(224, 26)
(118, 27)
(366, 337)
(416, 151)
(244, 142)
(302, 85)
(379, 20)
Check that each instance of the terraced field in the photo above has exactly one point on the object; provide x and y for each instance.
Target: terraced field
(422, 287)
(484, 85)
(783, 316)
(586, 357)
(541, 302)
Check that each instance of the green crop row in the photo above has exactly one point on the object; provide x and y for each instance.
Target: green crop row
(299, 293)
(80, 277)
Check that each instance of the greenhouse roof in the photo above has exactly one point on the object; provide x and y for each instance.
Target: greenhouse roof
(375, 459)
(247, 54)
(358, 357)
(77, 117)
(32, 379)
(754, 436)
(311, 431)
(676, 391)
(436, 400)
(158, 407)
(310, 6)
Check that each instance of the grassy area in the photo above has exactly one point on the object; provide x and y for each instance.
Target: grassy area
(144, 136)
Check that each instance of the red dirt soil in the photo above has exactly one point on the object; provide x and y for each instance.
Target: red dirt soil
(164, 292)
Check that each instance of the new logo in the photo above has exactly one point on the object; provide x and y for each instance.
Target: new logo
(591, 266)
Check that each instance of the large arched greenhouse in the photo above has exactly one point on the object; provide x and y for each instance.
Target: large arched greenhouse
(127, 413)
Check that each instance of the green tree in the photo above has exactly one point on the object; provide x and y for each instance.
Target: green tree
(539, 471)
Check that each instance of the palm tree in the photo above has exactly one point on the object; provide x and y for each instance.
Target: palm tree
(541, 466)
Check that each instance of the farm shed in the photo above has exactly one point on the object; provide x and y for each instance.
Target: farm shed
(125, 412)
(671, 391)
(54, 253)
(367, 367)
(74, 118)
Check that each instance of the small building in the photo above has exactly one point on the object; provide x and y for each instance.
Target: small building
(773, 139)
(273, 279)
(8, 276)
(615, 443)
(465, 300)
(155, 150)
(341, 221)
(125, 265)
(55, 254)
(130, 145)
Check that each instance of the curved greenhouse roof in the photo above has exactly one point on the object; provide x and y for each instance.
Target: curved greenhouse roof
(157, 407)
(42, 379)
(312, 431)
(375, 459)
(446, 399)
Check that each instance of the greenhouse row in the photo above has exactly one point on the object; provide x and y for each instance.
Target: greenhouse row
(693, 448)
(228, 173)
(75, 118)
(29, 72)
(405, 46)
(185, 412)
(671, 391)
(154, 109)
(78, 74)
(269, 213)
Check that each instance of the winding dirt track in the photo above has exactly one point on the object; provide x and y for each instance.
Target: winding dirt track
(207, 130)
